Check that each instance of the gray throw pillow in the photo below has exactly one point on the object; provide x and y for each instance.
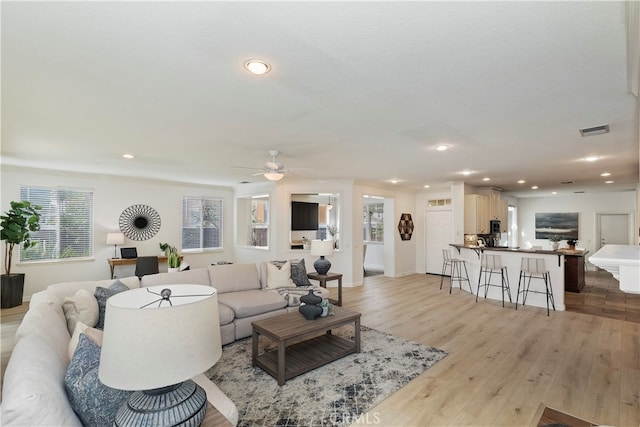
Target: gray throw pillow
(102, 294)
(299, 273)
(93, 402)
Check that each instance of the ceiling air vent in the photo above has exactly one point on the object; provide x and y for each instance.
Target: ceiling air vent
(578, 192)
(598, 130)
(566, 182)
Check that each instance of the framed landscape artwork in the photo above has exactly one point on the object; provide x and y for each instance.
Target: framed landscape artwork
(563, 225)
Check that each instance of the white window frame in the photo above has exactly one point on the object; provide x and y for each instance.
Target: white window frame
(217, 223)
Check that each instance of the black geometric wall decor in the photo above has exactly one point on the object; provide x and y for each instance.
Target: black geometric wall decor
(139, 222)
(405, 226)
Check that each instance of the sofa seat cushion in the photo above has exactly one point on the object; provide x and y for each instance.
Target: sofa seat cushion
(197, 276)
(225, 314)
(234, 277)
(250, 303)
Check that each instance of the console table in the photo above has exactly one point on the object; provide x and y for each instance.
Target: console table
(114, 262)
(324, 278)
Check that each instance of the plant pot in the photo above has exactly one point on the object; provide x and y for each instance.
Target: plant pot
(173, 270)
(12, 290)
(555, 245)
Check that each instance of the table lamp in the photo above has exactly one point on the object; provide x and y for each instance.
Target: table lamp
(322, 248)
(115, 239)
(155, 340)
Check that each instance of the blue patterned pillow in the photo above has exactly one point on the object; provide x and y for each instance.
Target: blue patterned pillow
(102, 294)
(93, 402)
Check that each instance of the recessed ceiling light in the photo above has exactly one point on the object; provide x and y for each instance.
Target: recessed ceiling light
(554, 192)
(395, 181)
(257, 67)
(427, 186)
(128, 156)
(466, 173)
(535, 187)
(486, 178)
(591, 158)
(609, 182)
(522, 181)
(605, 174)
(442, 147)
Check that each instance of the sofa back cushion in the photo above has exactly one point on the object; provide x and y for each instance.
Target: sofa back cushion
(67, 289)
(197, 276)
(234, 277)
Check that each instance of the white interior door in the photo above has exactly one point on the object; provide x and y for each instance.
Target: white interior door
(438, 230)
(613, 229)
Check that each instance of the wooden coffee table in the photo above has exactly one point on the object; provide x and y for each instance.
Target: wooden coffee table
(303, 344)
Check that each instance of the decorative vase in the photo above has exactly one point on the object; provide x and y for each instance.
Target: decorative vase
(555, 245)
(311, 298)
(325, 312)
(309, 311)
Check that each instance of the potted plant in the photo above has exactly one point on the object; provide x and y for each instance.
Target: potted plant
(572, 244)
(555, 242)
(173, 260)
(16, 223)
(164, 247)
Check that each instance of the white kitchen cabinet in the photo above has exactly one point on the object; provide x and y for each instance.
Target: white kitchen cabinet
(476, 214)
(504, 216)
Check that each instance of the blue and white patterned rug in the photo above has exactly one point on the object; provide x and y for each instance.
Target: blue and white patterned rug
(332, 395)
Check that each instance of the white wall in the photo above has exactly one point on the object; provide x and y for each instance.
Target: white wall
(112, 195)
(587, 205)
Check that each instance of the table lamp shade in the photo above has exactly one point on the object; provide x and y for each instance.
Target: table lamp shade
(321, 247)
(157, 346)
(115, 239)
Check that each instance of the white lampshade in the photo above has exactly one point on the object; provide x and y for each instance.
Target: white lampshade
(157, 346)
(273, 176)
(321, 247)
(115, 239)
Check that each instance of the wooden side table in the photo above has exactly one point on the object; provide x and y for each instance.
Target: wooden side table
(324, 278)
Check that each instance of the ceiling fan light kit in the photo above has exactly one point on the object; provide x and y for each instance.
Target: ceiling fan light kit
(273, 176)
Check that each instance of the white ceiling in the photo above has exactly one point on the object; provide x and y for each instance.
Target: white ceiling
(358, 90)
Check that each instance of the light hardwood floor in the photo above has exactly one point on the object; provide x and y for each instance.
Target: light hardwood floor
(504, 366)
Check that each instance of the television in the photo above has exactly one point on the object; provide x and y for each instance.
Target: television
(304, 216)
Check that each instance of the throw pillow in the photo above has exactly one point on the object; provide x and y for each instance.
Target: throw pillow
(299, 273)
(81, 307)
(81, 328)
(93, 402)
(102, 294)
(279, 277)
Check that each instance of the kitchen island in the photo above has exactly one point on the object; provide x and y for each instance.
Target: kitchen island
(556, 262)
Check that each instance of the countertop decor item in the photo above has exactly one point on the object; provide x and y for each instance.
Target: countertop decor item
(175, 331)
(139, 222)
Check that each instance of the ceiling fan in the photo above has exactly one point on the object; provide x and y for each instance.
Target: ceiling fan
(273, 170)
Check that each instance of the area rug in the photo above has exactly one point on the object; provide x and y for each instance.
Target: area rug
(332, 395)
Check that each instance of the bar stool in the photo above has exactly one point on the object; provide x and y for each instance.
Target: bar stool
(534, 268)
(455, 270)
(493, 264)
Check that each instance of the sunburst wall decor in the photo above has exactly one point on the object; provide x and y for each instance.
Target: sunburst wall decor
(139, 222)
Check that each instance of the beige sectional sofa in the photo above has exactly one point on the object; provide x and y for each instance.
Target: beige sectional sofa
(34, 393)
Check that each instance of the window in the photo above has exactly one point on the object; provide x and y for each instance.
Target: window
(201, 223)
(373, 221)
(66, 224)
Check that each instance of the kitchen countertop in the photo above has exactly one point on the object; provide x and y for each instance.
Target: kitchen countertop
(510, 249)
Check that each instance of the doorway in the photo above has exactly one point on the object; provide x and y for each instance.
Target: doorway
(613, 229)
(438, 236)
